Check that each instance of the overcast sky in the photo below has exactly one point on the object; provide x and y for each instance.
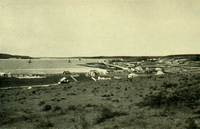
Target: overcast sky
(99, 27)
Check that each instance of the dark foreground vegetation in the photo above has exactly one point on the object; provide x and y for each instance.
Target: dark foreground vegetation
(169, 101)
(185, 91)
(13, 82)
(48, 79)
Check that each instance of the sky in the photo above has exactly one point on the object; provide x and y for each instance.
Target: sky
(57, 28)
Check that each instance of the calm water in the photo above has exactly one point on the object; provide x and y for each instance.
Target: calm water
(43, 66)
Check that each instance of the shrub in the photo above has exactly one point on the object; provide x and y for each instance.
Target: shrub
(173, 94)
(41, 103)
(57, 108)
(107, 113)
(46, 108)
(191, 124)
(72, 107)
(44, 124)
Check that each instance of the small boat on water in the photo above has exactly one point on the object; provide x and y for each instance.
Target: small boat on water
(29, 61)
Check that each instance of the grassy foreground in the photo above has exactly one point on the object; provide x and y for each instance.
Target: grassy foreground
(170, 101)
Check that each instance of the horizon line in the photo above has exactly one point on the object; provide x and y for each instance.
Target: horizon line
(106, 56)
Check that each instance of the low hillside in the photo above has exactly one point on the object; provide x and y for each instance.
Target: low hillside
(7, 56)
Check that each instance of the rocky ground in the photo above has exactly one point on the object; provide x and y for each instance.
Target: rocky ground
(169, 101)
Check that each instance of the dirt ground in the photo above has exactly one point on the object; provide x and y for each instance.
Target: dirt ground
(110, 104)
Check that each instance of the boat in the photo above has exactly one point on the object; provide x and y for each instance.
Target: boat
(29, 61)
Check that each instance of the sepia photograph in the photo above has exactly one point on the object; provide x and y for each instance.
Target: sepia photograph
(99, 64)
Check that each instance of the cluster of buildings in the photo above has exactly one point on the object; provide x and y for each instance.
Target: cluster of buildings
(139, 68)
(2, 74)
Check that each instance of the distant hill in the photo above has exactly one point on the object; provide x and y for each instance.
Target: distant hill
(7, 56)
(192, 57)
(118, 57)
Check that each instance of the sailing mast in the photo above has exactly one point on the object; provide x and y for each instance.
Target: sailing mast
(29, 61)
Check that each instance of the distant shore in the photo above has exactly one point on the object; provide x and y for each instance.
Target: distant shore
(8, 56)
